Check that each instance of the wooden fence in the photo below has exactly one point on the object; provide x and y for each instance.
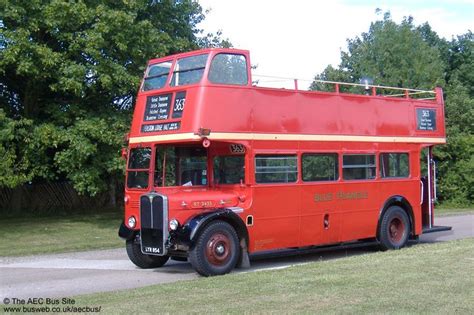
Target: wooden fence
(54, 197)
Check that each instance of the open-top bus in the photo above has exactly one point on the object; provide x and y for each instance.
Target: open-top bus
(219, 168)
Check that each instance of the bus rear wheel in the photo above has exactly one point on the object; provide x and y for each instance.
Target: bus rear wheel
(141, 260)
(216, 250)
(394, 228)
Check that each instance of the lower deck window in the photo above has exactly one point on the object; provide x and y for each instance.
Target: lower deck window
(394, 165)
(138, 168)
(229, 169)
(137, 179)
(319, 167)
(275, 168)
(358, 166)
(180, 166)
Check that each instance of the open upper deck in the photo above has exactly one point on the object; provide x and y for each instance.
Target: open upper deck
(209, 93)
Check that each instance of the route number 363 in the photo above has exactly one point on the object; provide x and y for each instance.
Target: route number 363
(179, 104)
(237, 148)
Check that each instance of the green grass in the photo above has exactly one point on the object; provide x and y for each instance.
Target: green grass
(442, 210)
(431, 278)
(28, 236)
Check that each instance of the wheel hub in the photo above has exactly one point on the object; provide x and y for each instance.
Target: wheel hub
(396, 230)
(218, 249)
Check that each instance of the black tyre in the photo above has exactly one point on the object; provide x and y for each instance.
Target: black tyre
(141, 260)
(394, 228)
(216, 250)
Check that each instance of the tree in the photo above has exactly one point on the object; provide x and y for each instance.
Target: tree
(14, 167)
(391, 54)
(69, 73)
(456, 171)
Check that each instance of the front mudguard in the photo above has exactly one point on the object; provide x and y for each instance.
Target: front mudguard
(125, 233)
(188, 233)
(186, 237)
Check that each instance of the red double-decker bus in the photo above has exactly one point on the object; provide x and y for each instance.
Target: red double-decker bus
(218, 168)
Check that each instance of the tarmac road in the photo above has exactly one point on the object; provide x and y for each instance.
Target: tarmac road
(70, 274)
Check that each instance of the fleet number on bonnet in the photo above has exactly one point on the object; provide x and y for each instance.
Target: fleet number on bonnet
(202, 204)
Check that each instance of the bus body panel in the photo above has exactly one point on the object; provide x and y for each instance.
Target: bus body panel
(250, 112)
(281, 122)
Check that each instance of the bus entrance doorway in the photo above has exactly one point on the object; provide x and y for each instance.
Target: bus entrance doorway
(428, 192)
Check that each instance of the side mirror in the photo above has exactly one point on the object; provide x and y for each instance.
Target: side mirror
(126, 137)
(124, 153)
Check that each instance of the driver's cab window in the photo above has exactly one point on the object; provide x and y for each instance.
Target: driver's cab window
(180, 166)
(229, 169)
(137, 168)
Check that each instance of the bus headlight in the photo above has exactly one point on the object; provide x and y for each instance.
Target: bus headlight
(174, 224)
(131, 222)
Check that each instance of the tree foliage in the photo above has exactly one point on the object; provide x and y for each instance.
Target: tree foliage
(13, 164)
(391, 54)
(456, 172)
(69, 73)
(405, 55)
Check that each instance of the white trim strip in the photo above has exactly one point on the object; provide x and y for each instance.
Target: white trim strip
(286, 137)
(171, 137)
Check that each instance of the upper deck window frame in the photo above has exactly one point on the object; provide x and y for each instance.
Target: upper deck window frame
(148, 77)
(201, 68)
(228, 79)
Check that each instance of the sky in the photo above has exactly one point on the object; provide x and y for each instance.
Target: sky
(299, 38)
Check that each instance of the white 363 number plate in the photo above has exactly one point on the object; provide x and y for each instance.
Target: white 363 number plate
(237, 148)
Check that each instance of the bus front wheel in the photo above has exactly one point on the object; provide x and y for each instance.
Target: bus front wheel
(216, 250)
(394, 228)
(141, 260)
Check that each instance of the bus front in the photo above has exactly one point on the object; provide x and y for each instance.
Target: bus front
(177, 183)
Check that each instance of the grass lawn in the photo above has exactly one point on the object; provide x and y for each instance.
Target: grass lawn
(442, 210)
(27, 236)
(431, 278)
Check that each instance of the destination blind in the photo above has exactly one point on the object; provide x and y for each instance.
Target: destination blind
(157, 107)
(426, 119)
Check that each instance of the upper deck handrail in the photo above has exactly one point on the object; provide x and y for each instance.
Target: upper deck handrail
(367, 87)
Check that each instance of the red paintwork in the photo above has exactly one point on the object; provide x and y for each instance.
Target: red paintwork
(286, 215)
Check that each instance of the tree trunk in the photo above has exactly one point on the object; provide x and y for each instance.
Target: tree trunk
(113, 192)
(16, 203)
(30, 100)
